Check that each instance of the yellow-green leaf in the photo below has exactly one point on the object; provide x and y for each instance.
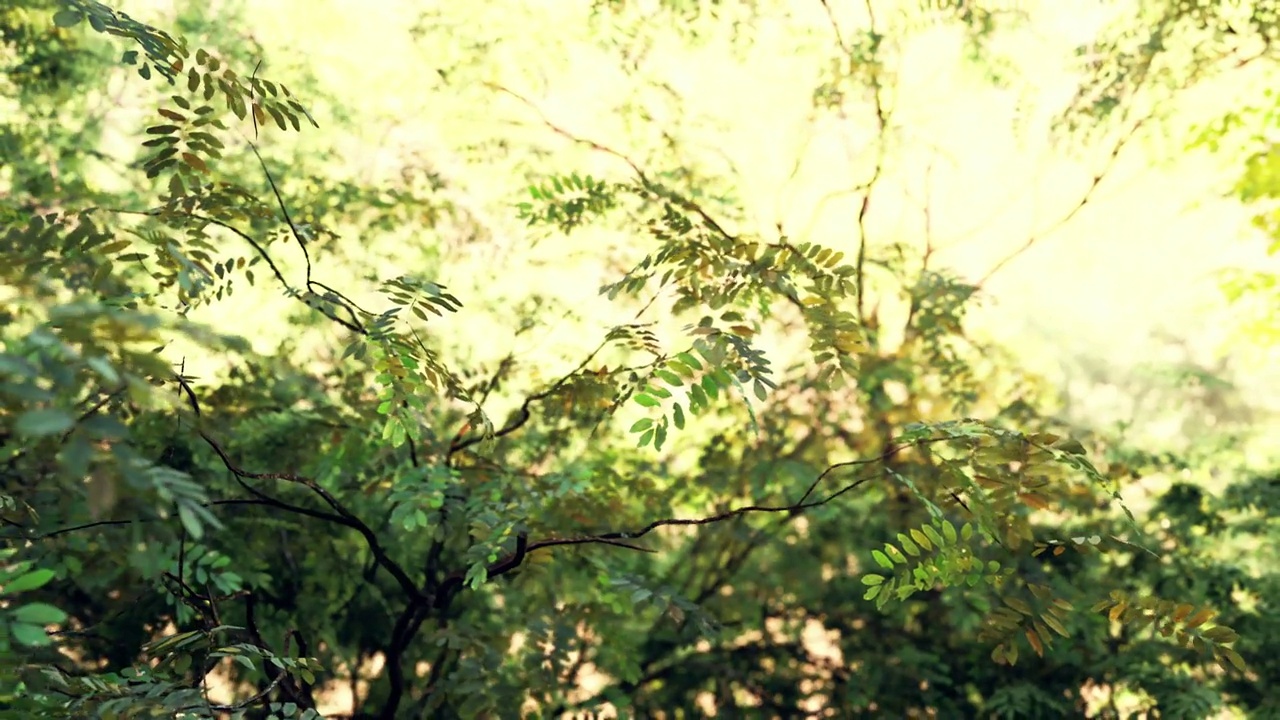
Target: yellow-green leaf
(949, 532)
(1054, 624)
(1232, 657)
(1200, 618)
(1018, 604)
(1042, 592)
(933, 535)
(1043, 632)
(1221, 634)
(908, 545)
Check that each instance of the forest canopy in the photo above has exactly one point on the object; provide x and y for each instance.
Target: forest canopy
(669, 359)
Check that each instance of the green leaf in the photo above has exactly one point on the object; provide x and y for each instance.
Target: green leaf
(45, 421)
(697, 399)
(190, 522)
(39, 614)
(647, 400)
(31, 581)
(882, 560)
(670, 378)
(677, 416)
(949, 532)
(641, 425)
(29, 635)
(67, 18)
(908, 545)
(933, 536)
(872, 579)
(1071, 446)
(688, 359)
(679, 368)
(103, 368)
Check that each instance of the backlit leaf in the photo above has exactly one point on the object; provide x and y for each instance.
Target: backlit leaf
(646, 400)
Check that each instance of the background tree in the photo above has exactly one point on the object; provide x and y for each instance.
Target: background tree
(778, 472)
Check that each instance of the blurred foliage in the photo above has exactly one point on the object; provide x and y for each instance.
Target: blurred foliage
(761, 491)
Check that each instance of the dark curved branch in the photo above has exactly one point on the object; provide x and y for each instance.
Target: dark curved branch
(353, 324)
(341, 516)
(453, 584)
(284, 210)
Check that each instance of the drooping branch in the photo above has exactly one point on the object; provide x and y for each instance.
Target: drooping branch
(685, 202)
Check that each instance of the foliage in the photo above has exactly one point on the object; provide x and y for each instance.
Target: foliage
(672, 513)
